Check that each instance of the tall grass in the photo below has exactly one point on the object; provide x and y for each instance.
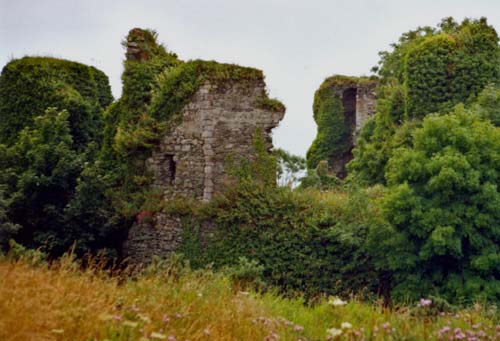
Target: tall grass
(63, 302)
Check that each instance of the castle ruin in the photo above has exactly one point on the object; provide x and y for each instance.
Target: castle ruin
(189, 161)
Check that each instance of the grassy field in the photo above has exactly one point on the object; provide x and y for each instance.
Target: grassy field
(63, 302)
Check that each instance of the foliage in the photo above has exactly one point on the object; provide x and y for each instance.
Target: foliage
(33, 257)
(28, 86)
(262, 168)
(443, 203)
(84, 304)
(7, 228)
(320, 178)
(307, 241)
(40, 171)
(290, 167)
(429, 70)
(488, 104)
(246, 274)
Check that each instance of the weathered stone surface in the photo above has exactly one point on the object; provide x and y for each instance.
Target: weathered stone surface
(190, 160)
(359, 101)
(152, 235)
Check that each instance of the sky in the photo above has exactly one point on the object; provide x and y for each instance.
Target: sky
(296, 43)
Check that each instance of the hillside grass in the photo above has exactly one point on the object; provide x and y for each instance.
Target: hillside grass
(63, 302)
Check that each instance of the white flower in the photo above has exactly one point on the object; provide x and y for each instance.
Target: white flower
(346, 325)
(335, 301)
(158, 336)
(333, 332)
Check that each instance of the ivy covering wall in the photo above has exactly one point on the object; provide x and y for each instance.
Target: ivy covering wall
(28, 86)
(333, 136)
(429, 70)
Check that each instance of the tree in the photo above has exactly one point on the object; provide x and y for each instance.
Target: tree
(290, 167)
(429, 70)
(444, 203)
(7, 228)
(39, 172)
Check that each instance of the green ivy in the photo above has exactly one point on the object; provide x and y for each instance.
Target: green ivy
(429, 70)
(28, 86)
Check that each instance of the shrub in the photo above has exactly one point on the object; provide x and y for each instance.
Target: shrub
(307, 242)
(443, 202)
(429, 70)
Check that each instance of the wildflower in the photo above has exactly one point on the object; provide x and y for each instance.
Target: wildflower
(424, 302)
(130, 324)
(206, 331)
(335, 301)
(158, 336)
(386, 325)
(444, 330)
(171, 338)
(298, 328)
(199, 294)
(145, 318)
(117, 317)
(165, 319)
(346, 325)
(334, 332)
(476, 326)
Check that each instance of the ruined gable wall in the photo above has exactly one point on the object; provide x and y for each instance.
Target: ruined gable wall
(220, 121)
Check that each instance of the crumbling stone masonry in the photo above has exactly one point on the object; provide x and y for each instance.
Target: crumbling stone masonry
(358, 100)
(359, 103)
(219, 122)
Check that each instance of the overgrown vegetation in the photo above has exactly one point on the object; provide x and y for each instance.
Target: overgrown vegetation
(429, 70)
(60, 301)
(333, 138)
(418, 216)
(30, 85)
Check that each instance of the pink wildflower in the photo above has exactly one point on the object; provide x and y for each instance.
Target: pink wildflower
(298, 328)
(424, 302)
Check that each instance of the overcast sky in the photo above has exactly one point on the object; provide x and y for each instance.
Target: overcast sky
(296, 43)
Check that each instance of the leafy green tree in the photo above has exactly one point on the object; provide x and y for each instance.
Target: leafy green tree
(7, 228)
(40, 172)
(488, 104)
(290, 167)
(444, 203)
(429, 70)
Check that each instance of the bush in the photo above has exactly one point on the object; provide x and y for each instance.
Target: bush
(306, 241)
(429, 70)
(443, 202)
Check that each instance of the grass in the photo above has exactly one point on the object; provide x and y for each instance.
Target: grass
(63, 302)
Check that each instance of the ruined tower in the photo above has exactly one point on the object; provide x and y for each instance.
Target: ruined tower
(342, 105)
(218, 121)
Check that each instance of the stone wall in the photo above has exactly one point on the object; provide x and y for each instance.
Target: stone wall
(190, 160)
(365, 104)
(359, 102)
